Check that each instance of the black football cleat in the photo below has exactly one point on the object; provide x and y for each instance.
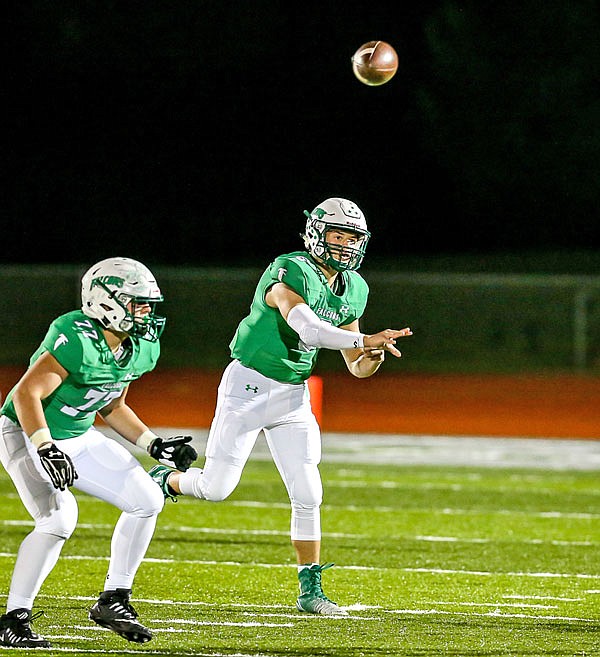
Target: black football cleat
(113, 611)
(16, 632)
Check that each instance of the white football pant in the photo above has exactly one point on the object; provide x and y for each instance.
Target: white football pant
(248, 403)
(107, 471)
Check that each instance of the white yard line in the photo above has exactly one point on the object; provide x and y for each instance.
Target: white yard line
(272, 532)
(431, 571)
(258, 611)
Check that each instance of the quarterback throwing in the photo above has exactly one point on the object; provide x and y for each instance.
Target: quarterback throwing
(305, 301)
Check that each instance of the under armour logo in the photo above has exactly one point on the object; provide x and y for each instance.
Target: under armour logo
(253, 388)
(344, 309)
(62, 339)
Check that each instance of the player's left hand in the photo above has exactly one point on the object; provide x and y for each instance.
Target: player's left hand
(173, 451)
(374, 354)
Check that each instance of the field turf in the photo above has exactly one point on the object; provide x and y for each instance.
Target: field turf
(430, 560)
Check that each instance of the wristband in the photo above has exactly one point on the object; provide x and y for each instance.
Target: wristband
(41, 437)
(145, 439)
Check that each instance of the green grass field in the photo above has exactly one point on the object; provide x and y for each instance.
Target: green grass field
(430, 560)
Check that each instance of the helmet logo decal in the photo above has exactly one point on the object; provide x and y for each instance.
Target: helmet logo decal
(117, 281)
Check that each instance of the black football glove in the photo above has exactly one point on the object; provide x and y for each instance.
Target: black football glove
(58, 465)
(173, 451)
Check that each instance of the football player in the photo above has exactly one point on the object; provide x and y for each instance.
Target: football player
(304, 301)
(48, 443)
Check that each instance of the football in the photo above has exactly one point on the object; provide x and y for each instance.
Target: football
(375, 63)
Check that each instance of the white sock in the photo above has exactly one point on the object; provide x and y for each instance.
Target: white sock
(36, 558)
(129, 544)
(190, 483)
(302, 566)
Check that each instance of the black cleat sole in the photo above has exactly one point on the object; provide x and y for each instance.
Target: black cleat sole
(135, 635)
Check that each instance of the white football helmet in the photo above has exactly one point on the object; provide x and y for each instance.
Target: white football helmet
(341, 214)
(112, 290)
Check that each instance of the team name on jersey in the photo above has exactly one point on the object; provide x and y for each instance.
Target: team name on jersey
(118, 385)
(328, 313)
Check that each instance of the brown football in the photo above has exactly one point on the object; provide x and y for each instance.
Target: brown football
(375, 63)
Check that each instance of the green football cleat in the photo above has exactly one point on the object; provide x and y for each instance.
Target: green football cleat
(312, 599)
(160, 474)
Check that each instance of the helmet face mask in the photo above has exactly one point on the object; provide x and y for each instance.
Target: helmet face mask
(122, 295)
(341, 215)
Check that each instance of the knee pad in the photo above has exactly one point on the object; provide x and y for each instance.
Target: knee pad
(154, 505)
(61, 518)
(306, 490)
(219, 488)
(214, 483)
(305, 524)
(149, 502)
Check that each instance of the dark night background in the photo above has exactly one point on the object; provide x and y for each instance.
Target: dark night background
(196, 133)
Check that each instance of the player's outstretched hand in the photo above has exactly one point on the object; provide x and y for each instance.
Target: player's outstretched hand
(173, 451)
(385, 340)
(58, 465)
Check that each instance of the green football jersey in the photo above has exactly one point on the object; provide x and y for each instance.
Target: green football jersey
(265, 342)
(95, 377)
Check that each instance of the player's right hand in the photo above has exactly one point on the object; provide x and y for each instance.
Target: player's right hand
(58, 465)
(386, 339)
(174, 452)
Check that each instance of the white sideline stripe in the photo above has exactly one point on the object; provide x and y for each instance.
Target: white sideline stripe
(78, 637)
(86, 499)
(496, 605)
(527, 541)
(276, 532)
(495, 614)
(445, 511)
(95, 628)
(199, 530)
(242, 608)
(543, 597)
(251, 532)
(356, 607)
(130, 651)
(483, 573)
(430, 571)
(316, 618)
(441, 486)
